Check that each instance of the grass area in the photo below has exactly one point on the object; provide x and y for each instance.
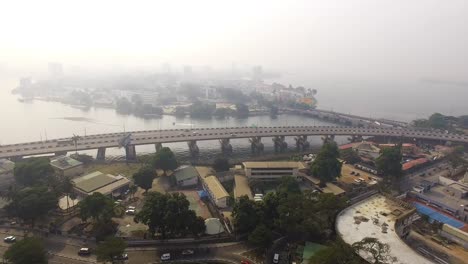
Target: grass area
(115, 168)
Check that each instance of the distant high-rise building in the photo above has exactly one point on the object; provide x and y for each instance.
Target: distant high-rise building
(55, 70)
(187, 70)
(257, 73)
(25, 82)
(166, 68)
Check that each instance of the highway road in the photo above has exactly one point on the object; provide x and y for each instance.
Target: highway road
(183, 135)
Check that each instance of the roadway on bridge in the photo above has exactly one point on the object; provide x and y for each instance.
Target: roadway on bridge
(182, 135)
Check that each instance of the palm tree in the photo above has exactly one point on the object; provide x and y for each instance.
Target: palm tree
(75, 139)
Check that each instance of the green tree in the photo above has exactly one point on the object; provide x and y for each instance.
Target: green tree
(242, 110)
(456, 156)
(221, 164)
(32, 203)
(110, 248)
(165, 160)
(86, 159)
(389, 163)
(337, 253)
(244, 214)
(169, 215)
(221, 112)
(133, 189)
(379, 252)
(124, 106)
(261, 236)
(326, 166)
(96, 206)
(26, 251)
(144, 177)
(33, 171)
(463, 121)
(350, 156)
(202, 110)
(438, 121)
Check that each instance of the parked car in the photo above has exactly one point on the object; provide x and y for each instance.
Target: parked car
(131, 208)
(123, 256)
(84, 252)
(245, 262)
(276, 258)
(130, 211)
(166, 256)
(10, 239)
(187, 252)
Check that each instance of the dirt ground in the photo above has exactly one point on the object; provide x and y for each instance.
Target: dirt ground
(196, 204)
(347, 178)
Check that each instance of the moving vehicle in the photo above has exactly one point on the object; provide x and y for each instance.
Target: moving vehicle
(10, 239)
(187, 252)
(84, 252)
(166, 256)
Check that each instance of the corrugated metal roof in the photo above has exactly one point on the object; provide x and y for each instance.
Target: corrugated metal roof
(64, 162)
(185, 173)
(93, 181)
(215, 187)
(273, 164)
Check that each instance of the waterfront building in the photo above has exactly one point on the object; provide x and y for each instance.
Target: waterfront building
(97, 181)
(66, 166)
(272, 170)
(186, 176)
(216, 192)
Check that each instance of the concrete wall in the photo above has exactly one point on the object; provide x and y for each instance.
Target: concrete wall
(188, 182)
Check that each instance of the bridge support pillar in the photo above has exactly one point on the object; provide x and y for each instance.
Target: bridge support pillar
(193, 148)
(256, 144)
(280, 144)
(301, 143)
(158, 146)
(130, 153)
(16, 158)
(101, 154)
(328, 138)
(226, 147)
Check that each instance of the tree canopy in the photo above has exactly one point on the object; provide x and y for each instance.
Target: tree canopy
(165, 160)
(261, 236)
(379, 253)
(389, 163)
(26, 251)
(337, 253)
(110, 248)
(169, 215)
(242, 110)
(144, 177)
(326, 166)
(32, 203)
(96, 206)
(221, 164)
(33, 171)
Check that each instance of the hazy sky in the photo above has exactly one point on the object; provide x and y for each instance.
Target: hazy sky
(356, 38)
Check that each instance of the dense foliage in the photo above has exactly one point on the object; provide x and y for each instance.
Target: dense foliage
(26, 251)
(287, 211)
(144, 177)
(389, 164)
(96, 206)
(33, 171)
(169, 215)
(32, 203)
(326, 165)
(110, 248)
(221, 164)
(164, 159)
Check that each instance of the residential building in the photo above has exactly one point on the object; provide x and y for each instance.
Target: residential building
(218, 195)
(272, 170)
(186, 176)
(97, 181)
(66, 166)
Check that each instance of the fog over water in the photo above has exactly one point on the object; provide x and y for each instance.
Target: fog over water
(396, 59)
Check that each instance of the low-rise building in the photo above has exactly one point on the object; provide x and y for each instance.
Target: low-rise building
(218, 195)
(97, 181)
(186, 176)
(66, 166)
(272, 170)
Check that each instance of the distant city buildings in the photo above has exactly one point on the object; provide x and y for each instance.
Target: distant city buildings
(55, 70)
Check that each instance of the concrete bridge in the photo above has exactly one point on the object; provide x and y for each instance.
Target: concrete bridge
(129, 140)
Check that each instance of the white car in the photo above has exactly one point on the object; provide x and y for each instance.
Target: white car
(130, 211)
(131, 208)
(10, 239)
(166, 256)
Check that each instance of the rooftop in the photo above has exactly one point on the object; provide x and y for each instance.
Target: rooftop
(215, 187)
(414, 163)
(438, 193)
(99, 182)
(273, 165)
(332, 188)
(365, 220)
(185, 173)
(242, 186)
(64, 162)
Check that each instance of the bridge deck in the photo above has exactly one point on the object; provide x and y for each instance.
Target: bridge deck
(183, 135)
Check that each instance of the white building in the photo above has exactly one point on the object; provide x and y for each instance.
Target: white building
(272, 170)
(186, 176)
